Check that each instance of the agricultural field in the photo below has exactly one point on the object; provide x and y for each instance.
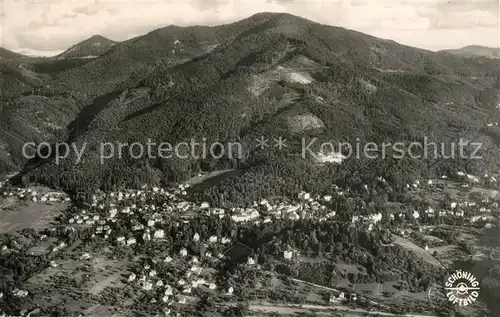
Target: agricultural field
(17, 216)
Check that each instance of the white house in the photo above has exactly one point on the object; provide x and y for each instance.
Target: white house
(85, 256)
(168, 259)
(147, 286)
(304, 196)
(169, 291)
(131, 277)
(204, 205)
(159, 234)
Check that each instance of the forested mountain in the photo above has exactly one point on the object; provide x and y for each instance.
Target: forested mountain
(73, 86)
(269, 75)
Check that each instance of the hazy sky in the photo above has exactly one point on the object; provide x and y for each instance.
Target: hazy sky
(47, 27)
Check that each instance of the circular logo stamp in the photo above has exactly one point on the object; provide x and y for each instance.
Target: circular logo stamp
(462, 288)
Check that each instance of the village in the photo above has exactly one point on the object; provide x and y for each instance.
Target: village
(179, 272)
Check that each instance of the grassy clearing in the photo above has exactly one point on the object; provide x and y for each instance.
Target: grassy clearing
(426, 255)
(77, 285)
(107, 273)
(15, 215)
(44, 247)
(457, 192)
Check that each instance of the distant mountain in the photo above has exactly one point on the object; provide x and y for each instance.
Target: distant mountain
(91, 47)
(8, 55)
(475, 51)
(269, 75)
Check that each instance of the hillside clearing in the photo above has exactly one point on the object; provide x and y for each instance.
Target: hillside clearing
(425, 255)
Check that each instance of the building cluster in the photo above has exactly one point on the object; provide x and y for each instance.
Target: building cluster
(341, 297)
(175, 289)
(29, 194)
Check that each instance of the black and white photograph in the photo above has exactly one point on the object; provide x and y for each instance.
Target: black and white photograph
(249, 158)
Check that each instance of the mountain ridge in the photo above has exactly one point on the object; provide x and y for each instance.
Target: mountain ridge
(199, 97)
(475, 51)
(252, 77)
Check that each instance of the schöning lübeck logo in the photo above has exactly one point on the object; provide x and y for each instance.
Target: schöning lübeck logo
(462, 288)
